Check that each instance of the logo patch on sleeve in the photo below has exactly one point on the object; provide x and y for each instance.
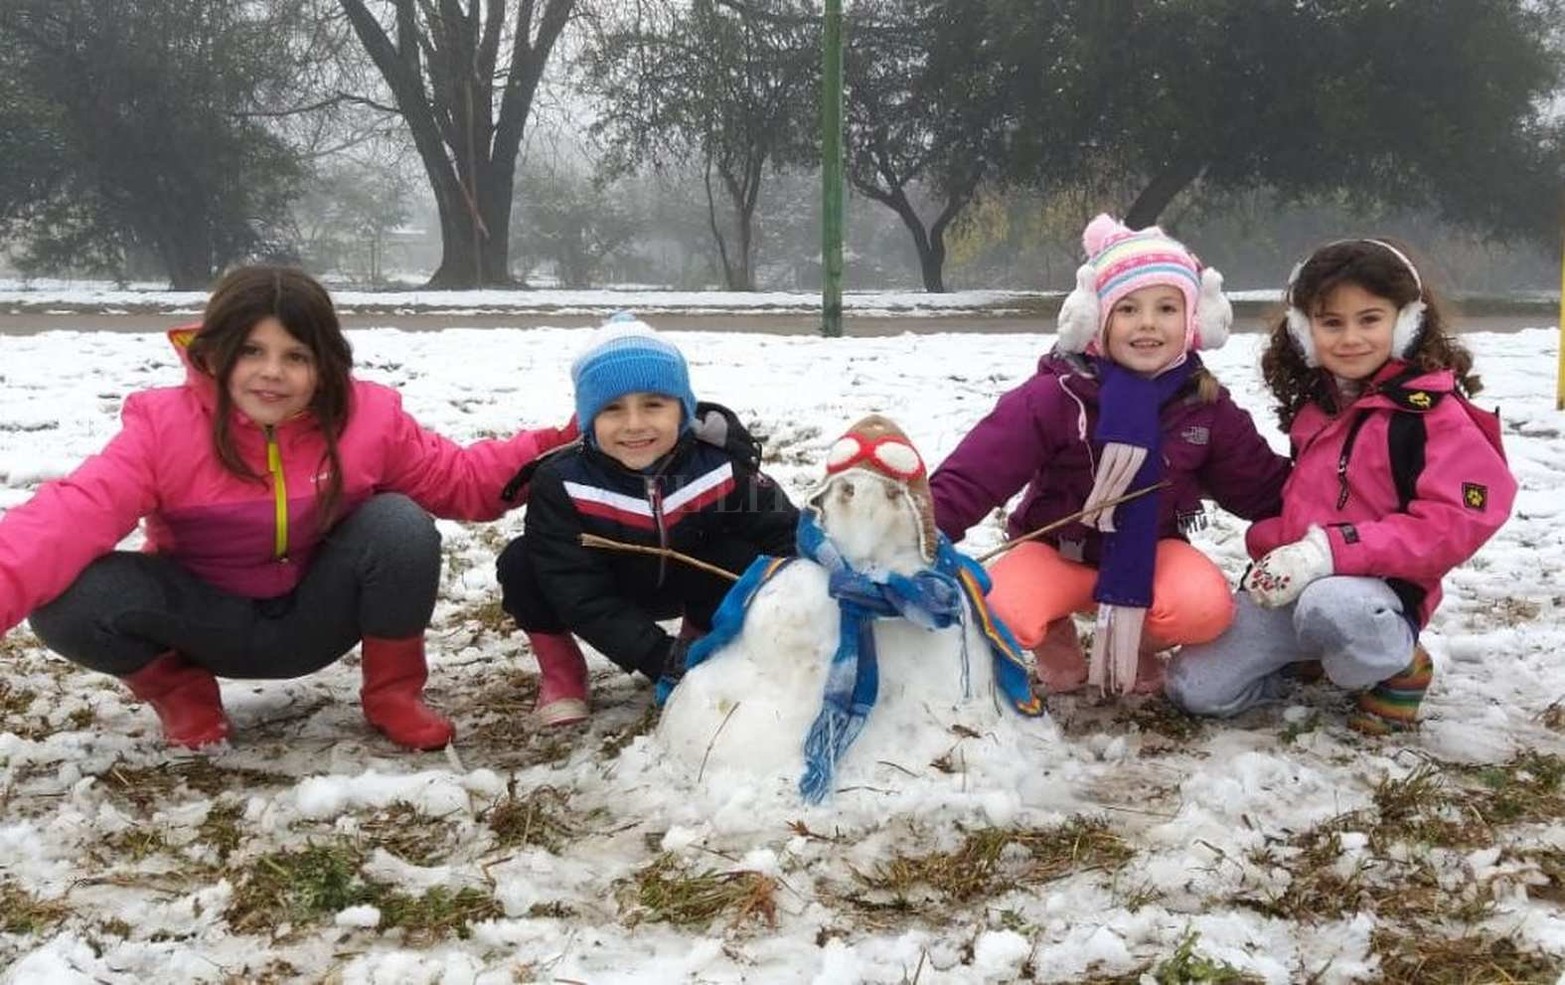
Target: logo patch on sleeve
(1475, 496)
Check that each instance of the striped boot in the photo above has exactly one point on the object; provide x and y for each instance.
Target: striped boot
(1392, 705)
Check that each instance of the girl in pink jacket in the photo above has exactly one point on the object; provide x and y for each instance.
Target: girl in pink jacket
(1397, 479)
(285, 514)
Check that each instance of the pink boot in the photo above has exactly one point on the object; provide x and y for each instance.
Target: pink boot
(562, 679)
(186, 698)
(1150, 667)
(393, 694)
(1062, 666)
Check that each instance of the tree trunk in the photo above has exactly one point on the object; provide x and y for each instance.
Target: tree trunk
(1154, 198)
(931, 249)
(444, 72)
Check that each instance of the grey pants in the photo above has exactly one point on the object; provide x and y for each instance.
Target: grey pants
(375, 574)
(1354, 626)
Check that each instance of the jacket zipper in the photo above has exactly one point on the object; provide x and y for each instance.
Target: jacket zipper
(274, 465)
(655, 498)
(1347, 452)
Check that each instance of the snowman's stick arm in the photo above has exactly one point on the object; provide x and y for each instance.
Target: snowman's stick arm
(1064, 520)
(593, 540)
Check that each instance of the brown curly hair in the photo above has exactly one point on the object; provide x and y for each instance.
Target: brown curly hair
(242, 299)
(1369, 264)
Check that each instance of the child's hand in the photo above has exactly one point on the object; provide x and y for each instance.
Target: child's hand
(1116, 467)
(1278, 578)
(672, 670)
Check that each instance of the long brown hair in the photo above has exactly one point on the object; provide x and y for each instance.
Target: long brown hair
(1380, 267)
(241, 300)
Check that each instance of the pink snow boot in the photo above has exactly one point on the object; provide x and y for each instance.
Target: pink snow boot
(562, 679)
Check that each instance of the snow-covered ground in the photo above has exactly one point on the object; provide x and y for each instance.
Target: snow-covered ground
(1110, 842)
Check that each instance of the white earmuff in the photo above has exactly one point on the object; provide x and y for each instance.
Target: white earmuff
(1214, 313)
(1080, 319)
(1299, 322)
(1411, 318)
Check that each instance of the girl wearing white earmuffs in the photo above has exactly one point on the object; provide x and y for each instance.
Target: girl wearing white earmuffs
(1397, 479)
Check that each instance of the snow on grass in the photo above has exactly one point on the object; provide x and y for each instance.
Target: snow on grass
(1133, 842)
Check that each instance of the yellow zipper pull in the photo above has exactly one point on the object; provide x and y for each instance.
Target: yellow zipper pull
(274, 464)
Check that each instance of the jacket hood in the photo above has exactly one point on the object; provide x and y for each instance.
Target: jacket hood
(204, 385)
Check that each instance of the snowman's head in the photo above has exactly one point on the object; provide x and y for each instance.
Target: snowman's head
(875, 503)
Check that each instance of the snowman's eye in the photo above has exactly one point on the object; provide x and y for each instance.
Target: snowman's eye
(845, 490)
(891, 492)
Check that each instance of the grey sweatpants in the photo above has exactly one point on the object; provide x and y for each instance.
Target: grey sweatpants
(1354, 626)
(375, 574)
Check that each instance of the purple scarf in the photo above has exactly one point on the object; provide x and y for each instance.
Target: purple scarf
(1130, 411)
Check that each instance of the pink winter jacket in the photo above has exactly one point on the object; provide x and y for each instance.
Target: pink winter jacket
(1342, 482)
(254, 539)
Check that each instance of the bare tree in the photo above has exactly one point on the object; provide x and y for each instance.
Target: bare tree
(463, 76)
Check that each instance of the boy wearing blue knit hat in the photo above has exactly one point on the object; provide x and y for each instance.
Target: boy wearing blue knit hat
(653, 468)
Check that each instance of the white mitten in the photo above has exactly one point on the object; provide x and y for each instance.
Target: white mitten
(1116, 648)
(1279, 577)
(1116, 467)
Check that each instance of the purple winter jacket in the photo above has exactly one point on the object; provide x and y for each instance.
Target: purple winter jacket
(1039, 434)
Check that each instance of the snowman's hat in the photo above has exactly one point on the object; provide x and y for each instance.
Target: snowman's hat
(875, 444)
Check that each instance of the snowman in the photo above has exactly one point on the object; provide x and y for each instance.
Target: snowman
(860, 660)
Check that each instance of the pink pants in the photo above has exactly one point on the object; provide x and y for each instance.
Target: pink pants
(1034, 586)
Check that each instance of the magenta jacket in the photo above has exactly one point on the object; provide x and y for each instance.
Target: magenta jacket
(253, 539)
(1039, 435)
(1343, 482)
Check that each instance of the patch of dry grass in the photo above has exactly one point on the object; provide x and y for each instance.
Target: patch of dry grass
(992, 858)
(487, 616)
(1507, 611)
(15, 700)
(1457, 808)
(671, 891)
(541, 817)
(134, 844)
(1436, 958)
(1528, 788)
(1553, 717)
(409, 834)
(220, 829)
(299, 887)
(147, 786)
(1159, 717)
(615, 742)
(23, 913)
(436, 914)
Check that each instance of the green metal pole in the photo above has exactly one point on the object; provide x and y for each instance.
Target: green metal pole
(831, 172)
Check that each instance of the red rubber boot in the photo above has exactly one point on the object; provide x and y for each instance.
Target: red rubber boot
(393, 694)
(186, 698)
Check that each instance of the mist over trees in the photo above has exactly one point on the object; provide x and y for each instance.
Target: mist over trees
(677, 141)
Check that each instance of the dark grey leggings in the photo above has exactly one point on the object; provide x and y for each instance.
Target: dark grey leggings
(376, 574)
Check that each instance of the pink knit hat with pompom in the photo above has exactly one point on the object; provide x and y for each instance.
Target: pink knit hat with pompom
(1121, 260)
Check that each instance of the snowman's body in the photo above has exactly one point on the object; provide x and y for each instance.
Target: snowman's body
(749, 707)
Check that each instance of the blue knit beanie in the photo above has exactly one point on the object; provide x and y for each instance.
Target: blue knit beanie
(626, 356)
